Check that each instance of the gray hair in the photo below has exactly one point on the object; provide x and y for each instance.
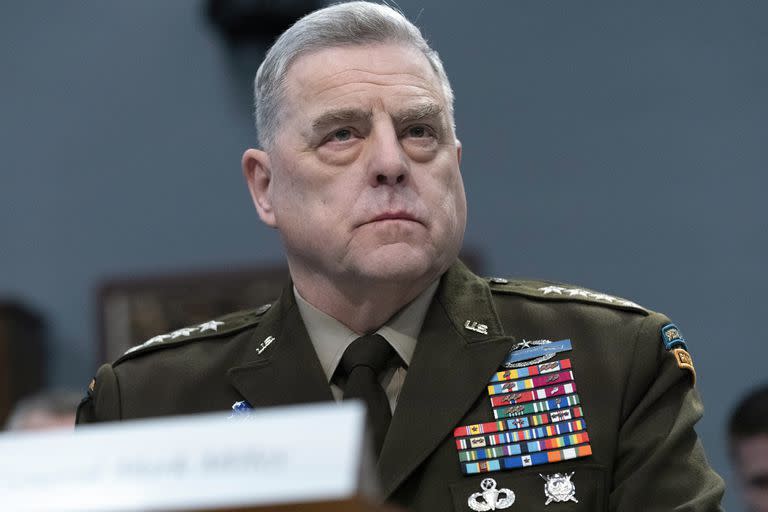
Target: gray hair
(344, 24)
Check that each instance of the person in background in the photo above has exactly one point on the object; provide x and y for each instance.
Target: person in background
(46, 410)
(748, 447)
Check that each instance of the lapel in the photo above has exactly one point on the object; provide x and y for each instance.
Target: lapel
(450, 369)
(287, 371)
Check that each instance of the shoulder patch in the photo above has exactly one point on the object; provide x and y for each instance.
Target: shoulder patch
(672, 337)
(561, 292)
(227, 324)
(684, 361)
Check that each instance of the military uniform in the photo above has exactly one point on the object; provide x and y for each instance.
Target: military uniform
(637, 395)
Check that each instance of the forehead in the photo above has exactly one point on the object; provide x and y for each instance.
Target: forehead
(388, 74)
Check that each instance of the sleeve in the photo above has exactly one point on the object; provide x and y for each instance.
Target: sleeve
(660, 463)
(102, 402)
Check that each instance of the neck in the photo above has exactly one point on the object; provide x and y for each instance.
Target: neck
(362, 306)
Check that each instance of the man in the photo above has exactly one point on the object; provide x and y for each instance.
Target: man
(359, 172)
(748, 446)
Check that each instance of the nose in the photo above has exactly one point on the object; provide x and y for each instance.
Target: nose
(387, 162)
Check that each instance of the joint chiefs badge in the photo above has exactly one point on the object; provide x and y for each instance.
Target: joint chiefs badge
(491, 498)
(559, 488)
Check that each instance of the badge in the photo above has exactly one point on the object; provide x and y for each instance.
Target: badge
(471, 325)
(684, 361)
(672, 337)
(264, 344)
(527, 353)
(559, 488)
(491, 498)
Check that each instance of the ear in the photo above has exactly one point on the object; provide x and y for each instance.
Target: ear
(458, 151)
(258, 174)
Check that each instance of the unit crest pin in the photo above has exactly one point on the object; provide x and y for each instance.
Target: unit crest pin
(491, 498)
(559, 488)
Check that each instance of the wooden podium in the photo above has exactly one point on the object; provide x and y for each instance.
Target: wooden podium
(310, 458)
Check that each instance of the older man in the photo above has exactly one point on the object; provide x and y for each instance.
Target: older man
(482, 394)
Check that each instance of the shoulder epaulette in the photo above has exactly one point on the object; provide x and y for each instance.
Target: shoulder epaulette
(548, 290)
(227, 324)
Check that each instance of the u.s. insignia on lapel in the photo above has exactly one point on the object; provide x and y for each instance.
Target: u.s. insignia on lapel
(490, 498)
(538, 413)
(559, 488)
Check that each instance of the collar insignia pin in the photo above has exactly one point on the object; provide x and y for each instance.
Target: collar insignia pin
(559, 488)
(491, 498)
(264, 344)
(474, 326)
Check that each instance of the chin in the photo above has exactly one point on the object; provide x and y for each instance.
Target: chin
(402, 264)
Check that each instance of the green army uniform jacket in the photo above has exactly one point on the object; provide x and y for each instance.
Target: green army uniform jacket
(639, 403)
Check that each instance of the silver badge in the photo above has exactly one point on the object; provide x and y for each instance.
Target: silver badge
(528, 362)
(559, 488)
(491, 498)
(264, 344)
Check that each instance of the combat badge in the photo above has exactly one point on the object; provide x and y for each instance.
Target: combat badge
(491, 498)
(531, 352)
(559, 488)
(684, 361)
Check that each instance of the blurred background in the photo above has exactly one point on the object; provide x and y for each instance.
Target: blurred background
(618, 147)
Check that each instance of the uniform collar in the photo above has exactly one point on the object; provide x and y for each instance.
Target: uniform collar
(331, 338)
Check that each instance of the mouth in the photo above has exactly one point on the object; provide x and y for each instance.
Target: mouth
(394, 215)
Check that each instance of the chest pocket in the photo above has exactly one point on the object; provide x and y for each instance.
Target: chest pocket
(551, 487)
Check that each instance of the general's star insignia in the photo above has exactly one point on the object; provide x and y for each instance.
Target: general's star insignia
(213, 325)
(552, 289)
(186, 331)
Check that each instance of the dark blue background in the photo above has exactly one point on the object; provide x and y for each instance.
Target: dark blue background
(620, 147)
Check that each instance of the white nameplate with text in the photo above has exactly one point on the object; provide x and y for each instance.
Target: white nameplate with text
(282, 455)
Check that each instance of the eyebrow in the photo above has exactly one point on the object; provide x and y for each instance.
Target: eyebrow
(347, 115)
(417, 113)
(342, 115)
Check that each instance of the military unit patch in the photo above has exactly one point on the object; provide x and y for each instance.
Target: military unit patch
(684, 361)
(538, 412)
(672, 337)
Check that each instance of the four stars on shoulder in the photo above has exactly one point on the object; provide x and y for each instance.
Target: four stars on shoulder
(212, 325)
(580, 292)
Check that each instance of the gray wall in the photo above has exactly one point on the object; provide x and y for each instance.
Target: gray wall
(618, 147)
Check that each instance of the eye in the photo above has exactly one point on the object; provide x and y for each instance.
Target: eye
(342, 135)
(418, 131)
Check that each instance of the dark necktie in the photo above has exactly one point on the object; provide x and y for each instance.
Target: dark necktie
(362, 363)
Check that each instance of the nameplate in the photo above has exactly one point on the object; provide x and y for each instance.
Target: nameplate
(311, 454)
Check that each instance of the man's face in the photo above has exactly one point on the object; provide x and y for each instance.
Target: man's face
(751, 459)
(364, 178)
